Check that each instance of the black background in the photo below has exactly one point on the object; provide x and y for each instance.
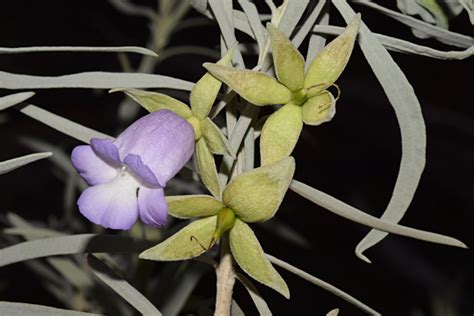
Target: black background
(354, 158)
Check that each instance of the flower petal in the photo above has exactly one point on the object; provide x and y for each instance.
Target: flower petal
(90, 167)
(163, 140)
(111, 205)
(107, 151)
(152, 207)
(141, 171)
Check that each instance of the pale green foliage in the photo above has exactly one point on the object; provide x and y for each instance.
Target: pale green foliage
(181, 246)
(280, 133)
(257, 194)
(250, 256)
(189, 206)
(255, 87)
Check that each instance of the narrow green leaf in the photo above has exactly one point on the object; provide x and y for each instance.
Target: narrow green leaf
(187, 243)
(442, 35)
(13, 99)
(410, 119)
(77, 49)
(319, 109)
(322, 284)
(215, 140)
(189, 206)
(62, 124)
(67, 245)
(22, 309)
(94, 80)
(120, 286)
(287, 60)
(154, 101)
(256, 195)
(15, 163)
(351, 213)
(204, 93)
(207, 168)
(250, 256)
(331, 61)
(255, 87)
(260, 304)
(280, 134)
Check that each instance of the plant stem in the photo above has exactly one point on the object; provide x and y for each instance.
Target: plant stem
(225, 279)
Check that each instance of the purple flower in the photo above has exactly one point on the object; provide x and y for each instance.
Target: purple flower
(127, 175)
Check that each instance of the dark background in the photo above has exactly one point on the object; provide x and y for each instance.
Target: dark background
(354, 158)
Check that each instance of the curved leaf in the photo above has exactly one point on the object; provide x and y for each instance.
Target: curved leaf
(215, 140)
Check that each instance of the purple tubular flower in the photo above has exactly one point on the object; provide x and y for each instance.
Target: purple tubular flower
(127, 175)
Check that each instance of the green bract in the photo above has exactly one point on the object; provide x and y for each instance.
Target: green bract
(252, 196)
(305, 97)
(209, 138)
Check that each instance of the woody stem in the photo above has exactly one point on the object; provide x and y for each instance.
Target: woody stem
(225, 279)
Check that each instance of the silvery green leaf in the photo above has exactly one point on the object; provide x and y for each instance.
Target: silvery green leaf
(224, 18)
(62, 124)
(428, 10)
(12, 164)
(77, 49)
(351, 213)
(189, 206)
(95, 80)
(129, 8)
(13, 99)
(410, 119)
(322, 284)
(442, 35)
(334, 312)
(68, 245)
(316, 41)
(290, 16)
(154, 101)
(308, 24)
(402, 46)
(257, 298)
(22, 309)
(207, 168)
(199, 5)
(106, 275)
(256, 195)
(255, 87)
(468, 5)
(253, 19)
(248, 253)
(187, 243)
